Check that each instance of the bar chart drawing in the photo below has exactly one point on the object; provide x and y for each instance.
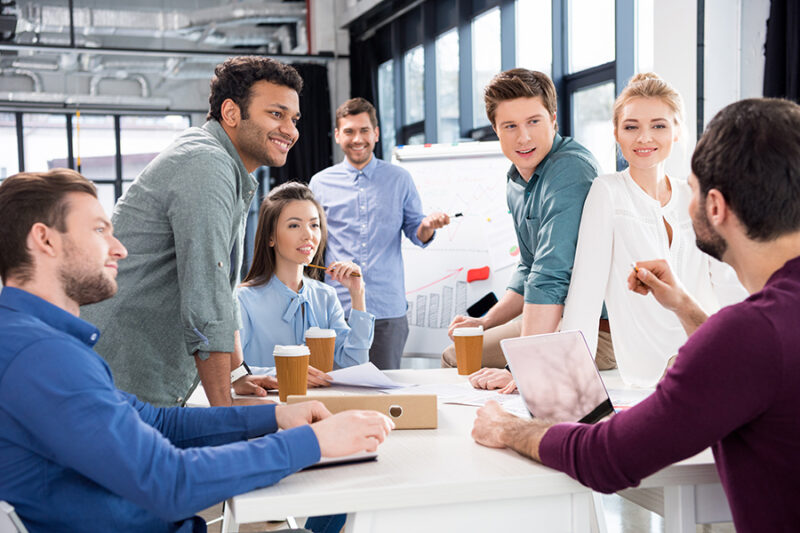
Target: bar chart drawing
(436, 309)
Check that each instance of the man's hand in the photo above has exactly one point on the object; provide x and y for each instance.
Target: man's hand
(251, 385)
(430, 224)
(656, 278)
(496, 428)
(318, 378)
(300, 414)
(461, 321)
(352, 431)
(490, 424)
(492, 378)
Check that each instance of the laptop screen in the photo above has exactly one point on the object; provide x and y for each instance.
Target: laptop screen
(557, 378)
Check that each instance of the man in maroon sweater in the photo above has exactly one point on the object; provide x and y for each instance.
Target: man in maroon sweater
(735, 385)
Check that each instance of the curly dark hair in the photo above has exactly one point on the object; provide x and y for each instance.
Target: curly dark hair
(234, 78)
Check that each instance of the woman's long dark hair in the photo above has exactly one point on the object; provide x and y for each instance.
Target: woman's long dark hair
(263, 266)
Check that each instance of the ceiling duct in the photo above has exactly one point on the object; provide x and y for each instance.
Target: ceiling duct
(37, 81)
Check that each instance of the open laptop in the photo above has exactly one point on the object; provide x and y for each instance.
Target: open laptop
(557, 378)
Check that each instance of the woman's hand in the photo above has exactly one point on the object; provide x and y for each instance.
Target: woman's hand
(342, 271)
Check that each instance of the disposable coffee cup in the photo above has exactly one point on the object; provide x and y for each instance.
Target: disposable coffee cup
(321, 342)
(291, 365)
(469, 349)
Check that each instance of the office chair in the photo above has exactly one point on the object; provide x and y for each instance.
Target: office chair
(9, 521)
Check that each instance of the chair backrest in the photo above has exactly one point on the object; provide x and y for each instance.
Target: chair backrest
(9, 521)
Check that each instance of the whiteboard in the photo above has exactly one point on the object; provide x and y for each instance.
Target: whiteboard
(468, 178)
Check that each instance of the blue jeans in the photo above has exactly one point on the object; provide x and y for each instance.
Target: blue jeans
(326, 524)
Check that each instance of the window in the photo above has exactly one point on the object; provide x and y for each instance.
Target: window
(447, 87)
(591, 33)
(44, 141)
(414, 71)
(485, 60)
(535, 35)
(9, 157)
(594, 128)
(386, 107)
(94, 143)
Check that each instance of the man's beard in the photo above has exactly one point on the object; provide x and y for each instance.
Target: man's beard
(81, 285)
(254, 141)
(708, 240)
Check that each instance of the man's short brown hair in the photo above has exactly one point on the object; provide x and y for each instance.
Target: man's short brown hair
(235, 78)
(356, 106)
(519, 83)
(27, 198)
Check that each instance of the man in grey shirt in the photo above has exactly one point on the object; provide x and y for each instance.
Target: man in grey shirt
(182, 220)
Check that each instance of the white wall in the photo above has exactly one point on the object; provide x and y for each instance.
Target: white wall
(735, 31)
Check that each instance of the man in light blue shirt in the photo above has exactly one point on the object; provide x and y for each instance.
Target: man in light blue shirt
(369, 205)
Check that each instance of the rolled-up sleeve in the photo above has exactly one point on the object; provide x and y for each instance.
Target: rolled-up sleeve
(202, 218)
(556, 228)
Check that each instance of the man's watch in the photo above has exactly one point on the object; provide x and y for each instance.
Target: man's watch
(240, 371)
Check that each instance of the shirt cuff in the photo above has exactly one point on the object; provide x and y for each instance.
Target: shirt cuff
(553, 444)
(303, 447)
(535, 295)
(210, 337)
(259, 419)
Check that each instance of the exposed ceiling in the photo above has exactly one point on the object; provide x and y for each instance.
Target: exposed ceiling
(122, 53)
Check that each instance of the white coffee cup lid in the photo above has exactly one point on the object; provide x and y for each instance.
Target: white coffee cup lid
(468, 332)
(318, 333)
(290, 351)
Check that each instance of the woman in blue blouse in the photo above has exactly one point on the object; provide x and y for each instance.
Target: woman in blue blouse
(281, 298)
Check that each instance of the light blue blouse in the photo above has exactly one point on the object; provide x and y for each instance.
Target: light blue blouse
(274, 314)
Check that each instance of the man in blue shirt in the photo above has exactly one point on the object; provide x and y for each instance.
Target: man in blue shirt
(369, 205)
(548, 181)
(77, 454)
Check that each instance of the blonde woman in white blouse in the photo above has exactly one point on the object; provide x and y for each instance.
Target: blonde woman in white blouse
(636, 215)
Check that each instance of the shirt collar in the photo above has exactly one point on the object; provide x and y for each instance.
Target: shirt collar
(216, 130)
(514, 175)
(52, 315)
(366, 171)
(278, 285)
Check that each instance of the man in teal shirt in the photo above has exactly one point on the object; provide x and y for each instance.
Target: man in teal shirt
(548, 181)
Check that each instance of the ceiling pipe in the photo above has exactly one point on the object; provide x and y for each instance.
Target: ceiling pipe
(94, 83)
(35, 78)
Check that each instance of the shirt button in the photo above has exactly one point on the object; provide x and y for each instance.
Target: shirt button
(363, 207)
(363, 245)
(219, 264)
(361, 189)
(179, 399)
(93, 337)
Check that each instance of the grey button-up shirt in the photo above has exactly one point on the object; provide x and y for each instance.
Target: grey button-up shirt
(182, 222)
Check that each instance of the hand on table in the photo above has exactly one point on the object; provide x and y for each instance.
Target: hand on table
(251, 385)
(489, 423)
(318, 378)
(299, 414)
(352, 431)
(461, 321)
(493, 378)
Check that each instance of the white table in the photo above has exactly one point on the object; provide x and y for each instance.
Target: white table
(428, 480)
(441, 480)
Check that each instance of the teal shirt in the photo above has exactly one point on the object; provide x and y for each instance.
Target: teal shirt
(182, 222)
(547, 215)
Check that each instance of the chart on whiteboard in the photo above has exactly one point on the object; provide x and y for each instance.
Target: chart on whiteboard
(482, 236)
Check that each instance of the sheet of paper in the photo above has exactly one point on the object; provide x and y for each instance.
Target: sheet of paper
(627, 398)
(366, 375)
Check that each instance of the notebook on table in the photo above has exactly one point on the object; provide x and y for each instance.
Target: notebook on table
(557, 378)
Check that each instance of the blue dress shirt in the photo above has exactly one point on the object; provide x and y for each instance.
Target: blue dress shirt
(368, 210)
(77, 454)
(274, 314)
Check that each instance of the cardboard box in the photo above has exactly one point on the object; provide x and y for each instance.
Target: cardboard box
(408, 411)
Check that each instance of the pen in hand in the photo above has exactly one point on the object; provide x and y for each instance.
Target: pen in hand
(353, 274)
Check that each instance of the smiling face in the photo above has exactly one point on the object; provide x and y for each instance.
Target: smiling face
(646, 132)
(357, 137)
(270, 130)
(526, 132)
(297, 233)
(88, 270)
